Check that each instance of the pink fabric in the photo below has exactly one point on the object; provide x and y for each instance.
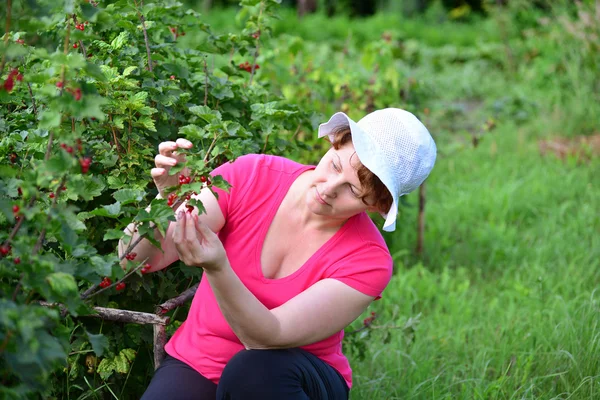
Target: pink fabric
(356, 255)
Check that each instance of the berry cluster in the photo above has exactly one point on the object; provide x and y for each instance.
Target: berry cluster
(171, 199)
(131, 256)
(146, 268)
(106, 282)
(81, 26)
(175, 33)
(368, 321)
(9, 83)
(247, 67)
(20, 41)
(120, 286)
(256, 35)
(183, 180)
(85, 163)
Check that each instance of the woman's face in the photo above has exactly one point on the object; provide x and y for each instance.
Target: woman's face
(335, 189)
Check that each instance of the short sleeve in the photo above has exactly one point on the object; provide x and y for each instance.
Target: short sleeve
(238, 174)
(368, 270)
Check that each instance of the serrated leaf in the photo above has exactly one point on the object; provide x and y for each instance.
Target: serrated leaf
(99, 343)
(123, 360)
(128, 196)
(95, 72)
(106, 368)
(205, 113)
(110, 211)
(112, 234)
(147, 122)
(120, 40)
(193, 132)
(102, 266)
(128, 71)
(49, 119)
(221, 183)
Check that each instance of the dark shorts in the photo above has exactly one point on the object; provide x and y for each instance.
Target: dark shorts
(252, 374)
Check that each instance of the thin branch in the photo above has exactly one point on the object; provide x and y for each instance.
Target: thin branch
(257, 43)
(160, 339)
(38, 244)
(114, 314)
(6, 35)
(205, 82)
(88, 293)
(143, 21)
(176, 301)
(32, 99)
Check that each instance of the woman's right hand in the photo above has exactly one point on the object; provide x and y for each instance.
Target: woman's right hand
(168, 157)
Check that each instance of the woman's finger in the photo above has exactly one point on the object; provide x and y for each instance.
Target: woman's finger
(164, 162)
(203, 229)
(166, 148)
(178, 231)
(156, 172)
(184, 143)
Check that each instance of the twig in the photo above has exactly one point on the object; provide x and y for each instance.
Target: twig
(176, 301)
(205, 82)
(8, 15)
(88, 293)
(160, 339)
(32, 99)
(38, 244)
(421, 220)
(114, 314)
(143, 20)
(257, 43)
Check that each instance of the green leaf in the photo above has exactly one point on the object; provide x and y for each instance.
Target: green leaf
(120, 40)
(128, 196)
(110, 211)
(99, 343)
(147, 122)
(102, 266)
(129, 70)
(221, 183)
(106, 368)
(193, 132)
(123, 360)
(205, 113)
(112, 234)
(95, 72)
(49, 119)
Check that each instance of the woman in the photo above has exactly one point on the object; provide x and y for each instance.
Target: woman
(290, 259)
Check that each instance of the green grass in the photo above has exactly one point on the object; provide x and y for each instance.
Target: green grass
(506, 293)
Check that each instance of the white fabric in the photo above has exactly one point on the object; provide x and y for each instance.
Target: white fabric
(395, 146)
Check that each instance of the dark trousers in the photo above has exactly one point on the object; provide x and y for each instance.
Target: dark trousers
(252, 374)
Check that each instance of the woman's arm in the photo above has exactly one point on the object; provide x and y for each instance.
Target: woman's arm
(315, 314)
(164, 256)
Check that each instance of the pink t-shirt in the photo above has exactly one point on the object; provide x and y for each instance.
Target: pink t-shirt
(356, 255)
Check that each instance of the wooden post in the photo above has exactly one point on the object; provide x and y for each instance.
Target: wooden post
(421, 220)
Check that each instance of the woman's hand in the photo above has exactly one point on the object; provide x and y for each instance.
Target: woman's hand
(167, 157)
(196, 244)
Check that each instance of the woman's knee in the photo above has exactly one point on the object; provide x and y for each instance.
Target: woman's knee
(256, 372)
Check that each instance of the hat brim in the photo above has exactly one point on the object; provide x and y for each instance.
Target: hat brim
(369, 155)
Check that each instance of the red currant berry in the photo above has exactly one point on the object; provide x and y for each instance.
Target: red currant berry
(4, 250)
(16, 209)
(51, 195)
(120, 286)
(17, 261)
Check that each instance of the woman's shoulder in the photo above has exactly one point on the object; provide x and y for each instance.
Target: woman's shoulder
(272, 162)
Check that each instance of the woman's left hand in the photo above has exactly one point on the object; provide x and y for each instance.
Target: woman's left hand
(196, 244)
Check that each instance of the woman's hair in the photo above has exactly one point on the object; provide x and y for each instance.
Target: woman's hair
(371, 184)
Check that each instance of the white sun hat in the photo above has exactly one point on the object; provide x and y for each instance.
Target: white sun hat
(394, 145)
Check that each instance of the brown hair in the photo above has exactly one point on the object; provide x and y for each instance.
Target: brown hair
(371, 184)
